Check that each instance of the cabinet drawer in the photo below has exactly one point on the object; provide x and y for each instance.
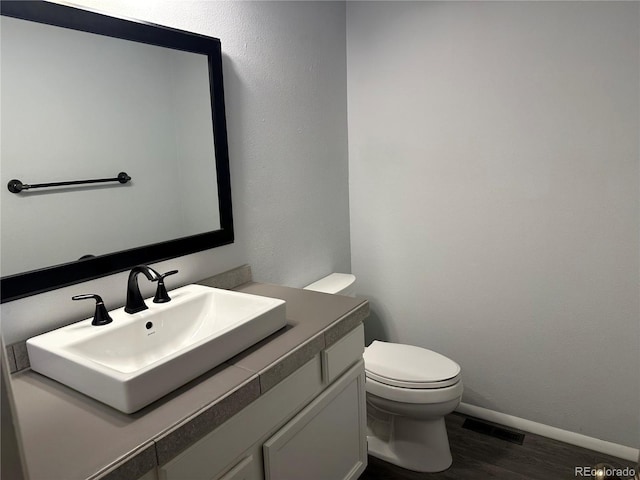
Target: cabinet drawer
(343, 354)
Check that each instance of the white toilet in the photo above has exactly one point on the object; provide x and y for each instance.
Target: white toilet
(409, 392)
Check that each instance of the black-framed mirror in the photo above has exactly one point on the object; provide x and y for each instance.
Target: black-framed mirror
(44, 140)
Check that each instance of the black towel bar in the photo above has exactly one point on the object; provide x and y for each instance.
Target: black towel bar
(16, 186)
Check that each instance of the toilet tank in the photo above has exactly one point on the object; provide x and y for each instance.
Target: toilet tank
(336, 283)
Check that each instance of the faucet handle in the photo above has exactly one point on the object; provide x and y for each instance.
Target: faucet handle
(101, 316)
(161, 292)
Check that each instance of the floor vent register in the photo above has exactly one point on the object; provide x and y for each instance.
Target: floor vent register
(493, 431)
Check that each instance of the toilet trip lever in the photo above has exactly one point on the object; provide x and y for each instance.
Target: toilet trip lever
(101, 316)
(161, 292)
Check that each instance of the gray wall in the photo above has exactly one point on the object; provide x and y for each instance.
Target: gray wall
(285, 90)
(493, 156)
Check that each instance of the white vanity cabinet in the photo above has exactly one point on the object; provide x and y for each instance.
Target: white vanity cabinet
(311, 425)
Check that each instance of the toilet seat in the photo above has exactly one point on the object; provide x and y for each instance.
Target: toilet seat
(424, 396)
(409, 367)
(413, 385)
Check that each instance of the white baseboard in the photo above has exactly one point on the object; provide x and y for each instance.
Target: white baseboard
(602, 446)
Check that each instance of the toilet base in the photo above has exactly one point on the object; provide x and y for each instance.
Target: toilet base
(419, 445)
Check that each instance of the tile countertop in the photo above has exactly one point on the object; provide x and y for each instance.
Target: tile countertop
(67, 435)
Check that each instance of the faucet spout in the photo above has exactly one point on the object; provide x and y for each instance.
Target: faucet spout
(135, 302)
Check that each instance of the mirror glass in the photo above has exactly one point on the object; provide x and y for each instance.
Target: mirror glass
(87, 101)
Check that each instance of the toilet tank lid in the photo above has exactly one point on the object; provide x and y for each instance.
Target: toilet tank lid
(334, 283)
(408, 363)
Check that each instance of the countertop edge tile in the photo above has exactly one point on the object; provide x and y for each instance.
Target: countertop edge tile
(203, 422)
(11, 359)
(135, 465)
(346, 323)
(21, 355)
(285, 366)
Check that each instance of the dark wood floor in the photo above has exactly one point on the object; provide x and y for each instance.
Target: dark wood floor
(477, 456)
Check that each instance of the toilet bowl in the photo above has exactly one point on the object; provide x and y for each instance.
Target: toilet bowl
(409, 391)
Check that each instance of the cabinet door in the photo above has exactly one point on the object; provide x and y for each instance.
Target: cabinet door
(326, 440)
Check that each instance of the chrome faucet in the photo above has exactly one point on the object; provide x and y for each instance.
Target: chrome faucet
(135, 302)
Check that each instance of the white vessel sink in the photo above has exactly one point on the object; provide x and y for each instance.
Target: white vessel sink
(139, 358)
